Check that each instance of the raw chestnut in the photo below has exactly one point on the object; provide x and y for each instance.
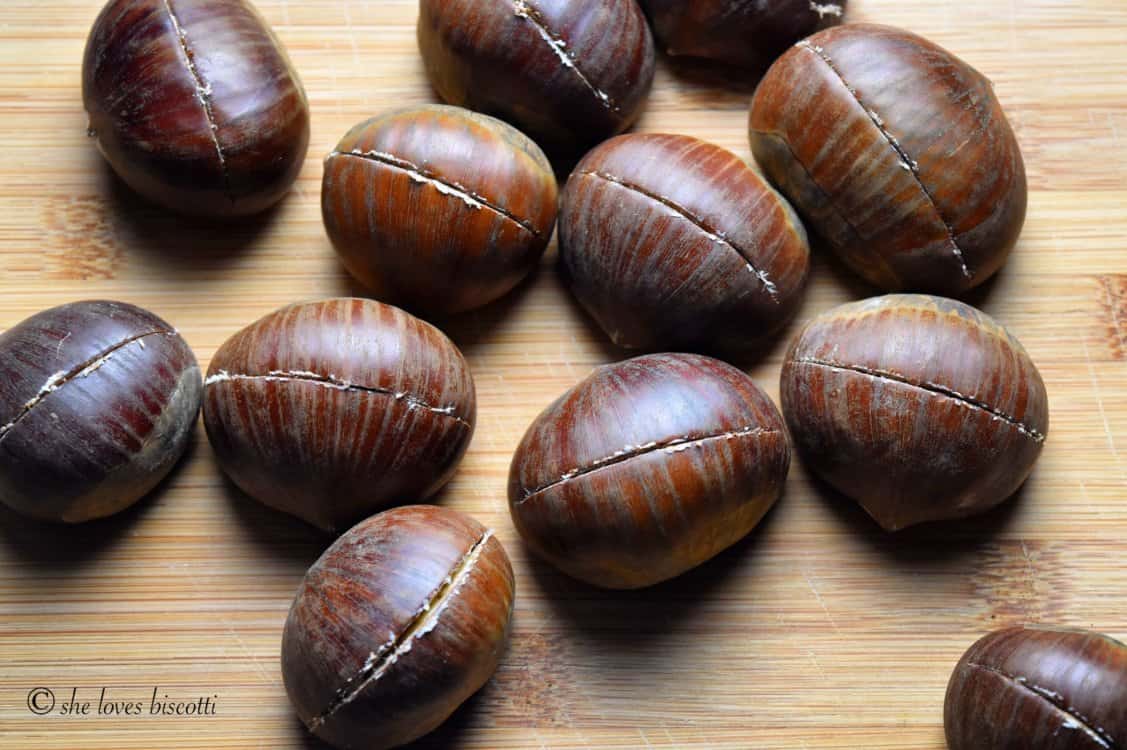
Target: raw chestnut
(920, 408)
(569, 73)
(195, 105)
(897, 153)
(400, 621)
(1025, 688)
(750, 34)
(648, 468)
(670, 242)
(97, 403)
(438, 209)
(332, 410)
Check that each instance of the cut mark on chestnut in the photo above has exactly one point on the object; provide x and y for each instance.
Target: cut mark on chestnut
(59, 379)
(330, 381)
(895, 377)
(451, 188)
(827, 9)
(527, 11)
(424, 621)
(203, 93)
(709, 231)
(1073, 718)
(906, 161)
(673, 445)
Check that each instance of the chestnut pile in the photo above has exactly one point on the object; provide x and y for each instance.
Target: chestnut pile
(870, 141)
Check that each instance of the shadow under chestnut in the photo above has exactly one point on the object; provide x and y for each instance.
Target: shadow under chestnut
(274, 532)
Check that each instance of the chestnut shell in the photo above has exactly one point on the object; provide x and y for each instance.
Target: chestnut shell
(334, 409)
(648, 468)
(1049, 689)
(98, 400)
(897, 153)
(404, 617)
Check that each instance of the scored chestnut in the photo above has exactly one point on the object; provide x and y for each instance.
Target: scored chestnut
(897, 153)
(647, 468)
(437, 208)
(331, 410)
(920, 408)
(399, 622)
(569, 74)
(673, 243)
(97, 403)
(746, 34)
(1049, 689)
(195, 104)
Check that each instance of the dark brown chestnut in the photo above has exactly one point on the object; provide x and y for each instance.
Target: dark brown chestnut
(749, 34)
(674, 243)
(97, 403)
(438, 209)
(648, 468)
(195, 105)
(920, 408)
(897, 153)
(569, 73)
(331, 410)
(1039, 688)
(400, 621)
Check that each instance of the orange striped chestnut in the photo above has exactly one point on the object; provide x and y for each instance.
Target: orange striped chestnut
(438, 209)
(401, 620)
(673, 243)
(331, 410)
(920, 408)
(648, 468)
(897, 153)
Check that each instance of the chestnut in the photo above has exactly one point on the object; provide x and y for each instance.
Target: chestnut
(920, 408)
(569, 74)
(402, 619)
(438, 209)
(334, 409)
(897, 153)
(647, 468)
(97, 403)
(748, 34)
(195, 105)
(670, 242)
(1049, 689)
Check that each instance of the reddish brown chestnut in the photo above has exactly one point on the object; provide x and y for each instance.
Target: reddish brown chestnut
(400, 621)
(331, 410)
(750, 34)
(569, 73)
(897, 153)
(648, 468)
(97, 403)
(438, 209)
(194, 104)
(920, 408)
(1026, 688)
(674, 243)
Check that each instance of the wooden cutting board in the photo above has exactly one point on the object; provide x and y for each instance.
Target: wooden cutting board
(818, 631)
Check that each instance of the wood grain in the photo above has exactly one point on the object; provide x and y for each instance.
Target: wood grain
(820, 631)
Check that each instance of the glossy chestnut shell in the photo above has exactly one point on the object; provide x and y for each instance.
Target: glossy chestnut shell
(673, 243)
(98, 401)
(897, 153)
(920, 408)
(438, 209)
(332, 410)
(1022, 688)
(647, 468)
(195, 104)
(399, 621)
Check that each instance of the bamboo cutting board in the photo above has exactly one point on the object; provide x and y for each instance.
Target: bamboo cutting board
(818, 631)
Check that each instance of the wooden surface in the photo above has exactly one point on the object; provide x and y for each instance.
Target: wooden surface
(819, 631)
